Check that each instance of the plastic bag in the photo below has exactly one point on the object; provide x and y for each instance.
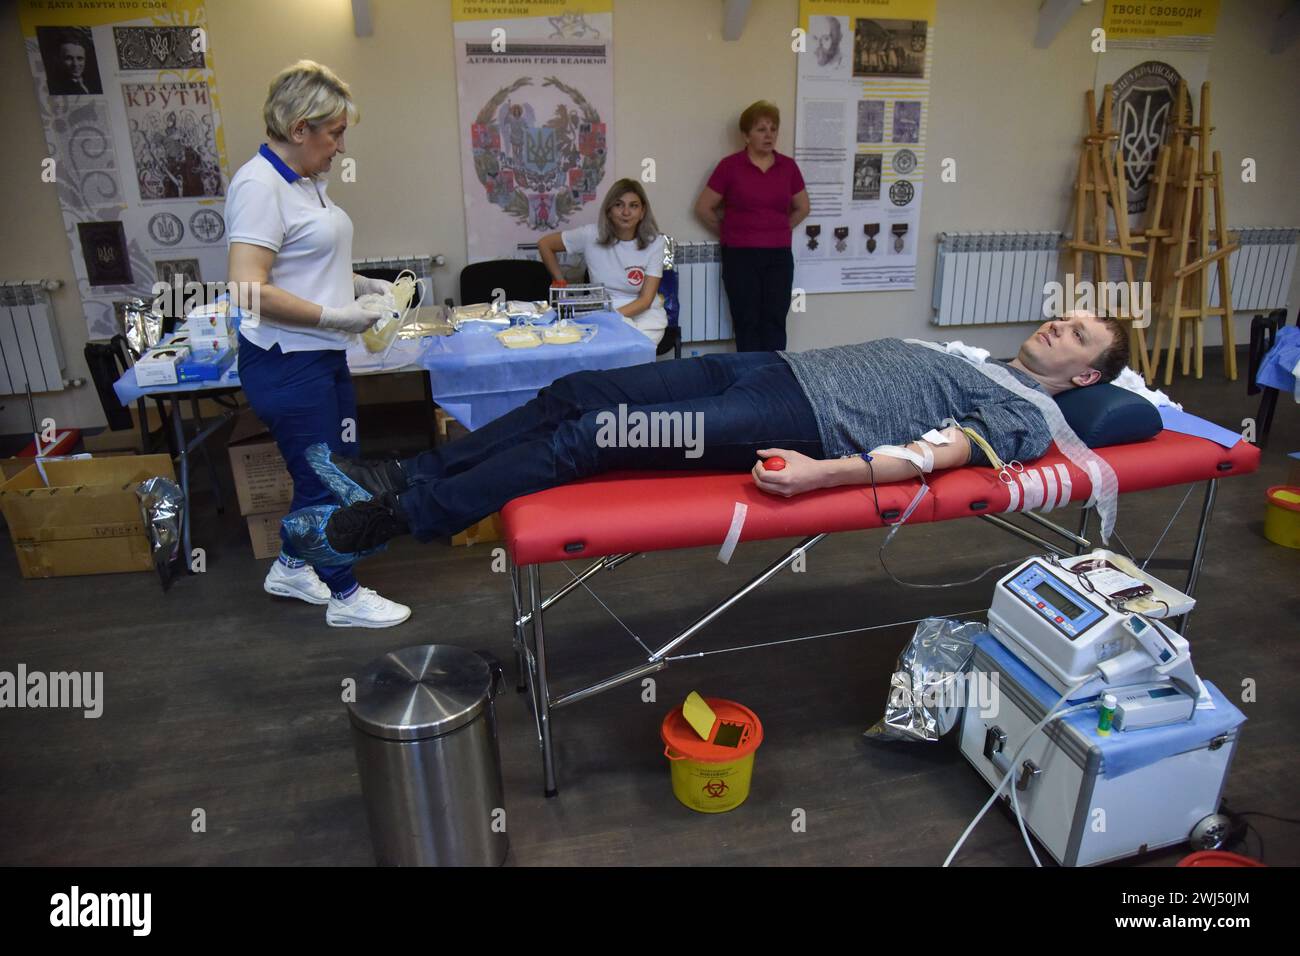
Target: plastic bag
(162, 507)
(928, 687)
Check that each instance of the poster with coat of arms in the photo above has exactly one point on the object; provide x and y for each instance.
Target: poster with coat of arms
(536, 101)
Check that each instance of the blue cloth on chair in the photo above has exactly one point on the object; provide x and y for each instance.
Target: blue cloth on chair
(1277, 369)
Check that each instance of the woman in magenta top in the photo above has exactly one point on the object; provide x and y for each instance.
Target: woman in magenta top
(753, 200)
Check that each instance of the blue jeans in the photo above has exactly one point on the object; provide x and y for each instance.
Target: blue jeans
(737, 403)
(303, 397)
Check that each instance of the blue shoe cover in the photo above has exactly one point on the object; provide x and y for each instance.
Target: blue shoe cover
(347, 491)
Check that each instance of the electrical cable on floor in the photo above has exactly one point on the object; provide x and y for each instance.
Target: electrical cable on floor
(607, 608)
(814, 637)
(952, 584)
(1261, 813)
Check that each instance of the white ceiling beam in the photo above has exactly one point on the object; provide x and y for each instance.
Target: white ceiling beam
(1053, 15)
(734, 14)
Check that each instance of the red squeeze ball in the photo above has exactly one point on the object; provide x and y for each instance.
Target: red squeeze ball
(775, 463)
(560, 284)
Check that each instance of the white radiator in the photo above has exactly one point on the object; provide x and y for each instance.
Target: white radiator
(30, 351)
(1260, 270)
(704, 314)
(987, 278)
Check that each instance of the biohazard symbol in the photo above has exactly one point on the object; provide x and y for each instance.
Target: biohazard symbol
(716, 788)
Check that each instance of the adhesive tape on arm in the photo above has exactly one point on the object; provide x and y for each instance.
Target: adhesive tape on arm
(923, 460)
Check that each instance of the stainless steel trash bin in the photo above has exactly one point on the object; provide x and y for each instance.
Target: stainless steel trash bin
(424, 728)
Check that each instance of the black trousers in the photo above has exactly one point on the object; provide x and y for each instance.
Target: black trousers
(758, 284)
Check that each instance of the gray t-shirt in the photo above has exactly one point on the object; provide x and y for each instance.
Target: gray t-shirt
(887, 392)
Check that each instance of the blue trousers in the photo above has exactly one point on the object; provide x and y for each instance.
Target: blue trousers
(304, 398)
(736, 403)
(758, 284)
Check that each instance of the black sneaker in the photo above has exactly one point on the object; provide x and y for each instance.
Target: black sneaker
(352, 480)
(366, 525)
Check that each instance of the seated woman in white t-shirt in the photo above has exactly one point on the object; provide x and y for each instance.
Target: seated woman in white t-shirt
(624, 252)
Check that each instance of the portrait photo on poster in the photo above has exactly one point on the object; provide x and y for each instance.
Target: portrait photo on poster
(828, 46)
(68, 54)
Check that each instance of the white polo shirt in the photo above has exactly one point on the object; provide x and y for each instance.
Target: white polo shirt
(270, 205)
(621, 267)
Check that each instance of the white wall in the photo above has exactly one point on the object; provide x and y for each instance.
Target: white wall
(1009, 114)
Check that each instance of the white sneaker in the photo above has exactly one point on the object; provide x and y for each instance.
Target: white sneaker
(300, 583)
(367, 609)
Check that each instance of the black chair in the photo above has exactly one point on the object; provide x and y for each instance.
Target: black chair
(1263, 334)
(524, 280)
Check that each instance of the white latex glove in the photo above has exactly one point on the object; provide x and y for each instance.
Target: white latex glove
(353, 317)
(362, 285)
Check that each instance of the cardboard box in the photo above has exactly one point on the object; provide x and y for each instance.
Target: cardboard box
(489, 529)
(262, 482)
(87, 521)
(264, 532)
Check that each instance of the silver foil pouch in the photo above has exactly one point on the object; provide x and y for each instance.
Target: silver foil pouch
(930, 683)
(143, 326)
(161, 507)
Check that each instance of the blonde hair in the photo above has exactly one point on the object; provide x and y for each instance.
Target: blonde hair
(760, 109)
(647, 230)
(305, 91)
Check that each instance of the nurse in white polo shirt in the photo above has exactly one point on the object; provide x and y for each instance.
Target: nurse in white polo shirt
(624, 252)
(289, 239)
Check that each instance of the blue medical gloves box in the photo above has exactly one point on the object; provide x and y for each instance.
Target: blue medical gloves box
(204, 365)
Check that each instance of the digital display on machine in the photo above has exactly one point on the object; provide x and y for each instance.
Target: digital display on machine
(1058, 600)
